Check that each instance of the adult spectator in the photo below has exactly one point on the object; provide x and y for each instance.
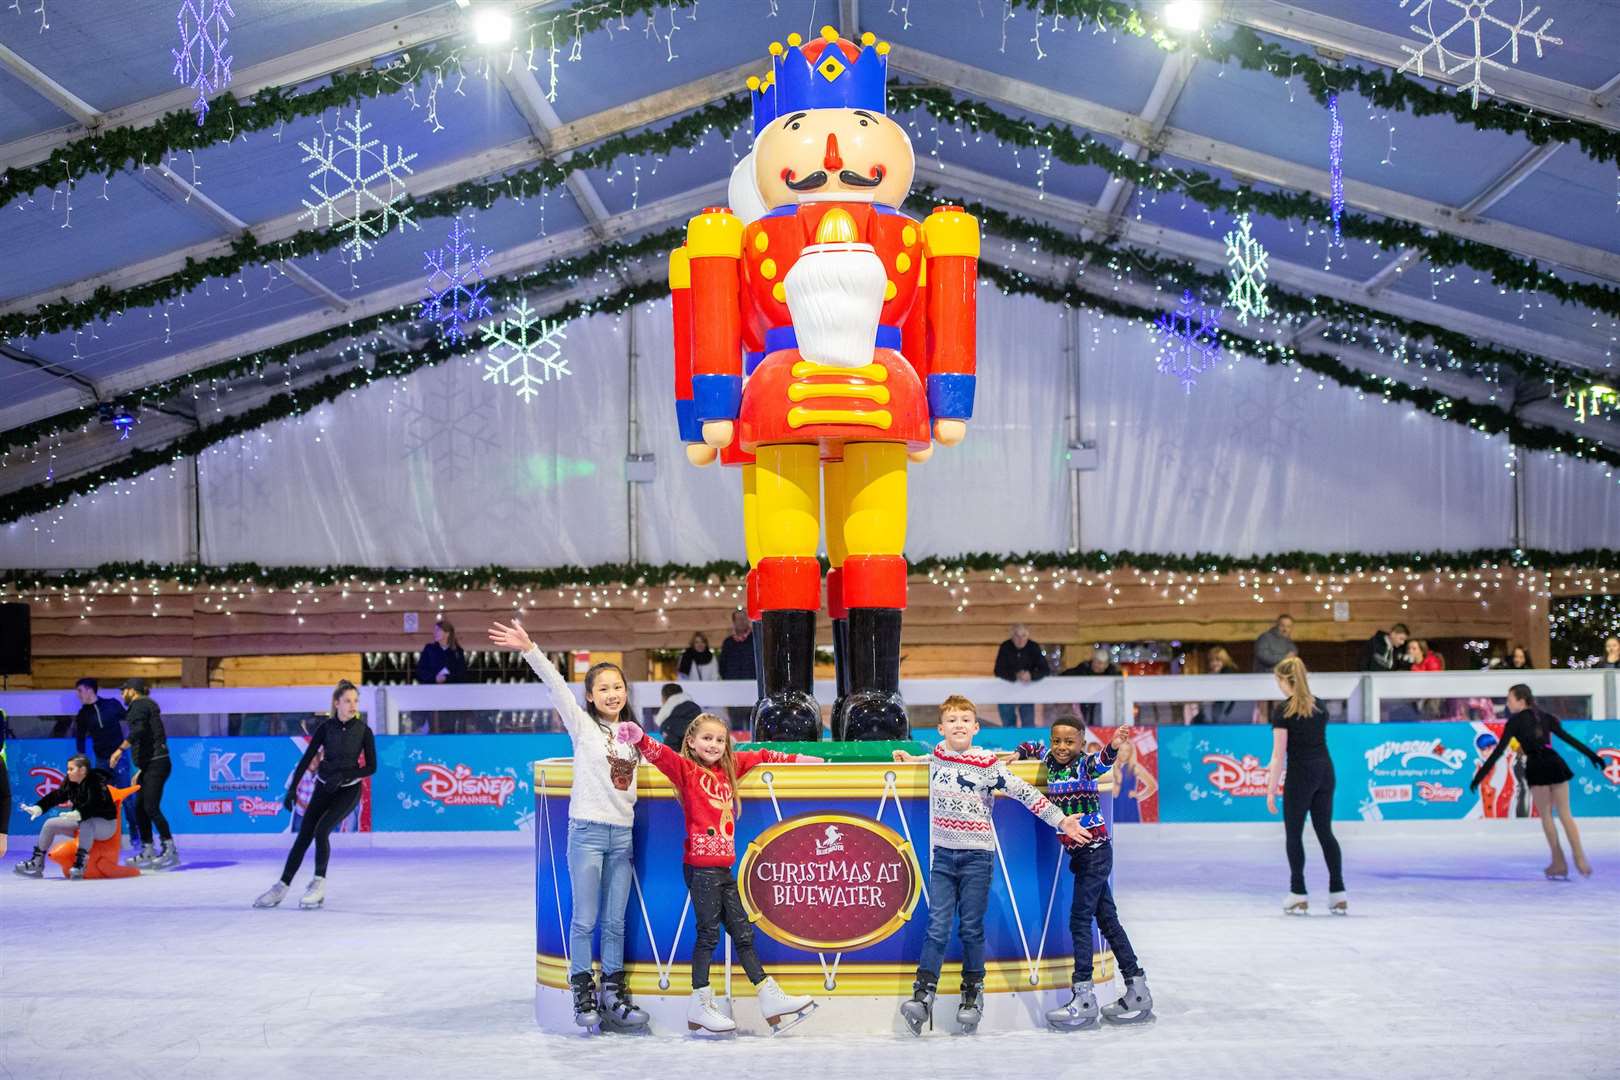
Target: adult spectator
(1611, 653)
(1219, 662)
(1275, 645)
(698, 662)
(1385, 650)
(1519, 659)
(1419, 657)
(675, 715)
(1100, 663)
(443, 660)
(737, 651)
(101, 721)
(1020, 660)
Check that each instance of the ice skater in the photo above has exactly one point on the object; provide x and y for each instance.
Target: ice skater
(94, 816)
(148, 744)
(1299, 736)
(601, 810)
(1071, 783)
(348, 754)
(704, 774)
(1547, 773)
(962, 784)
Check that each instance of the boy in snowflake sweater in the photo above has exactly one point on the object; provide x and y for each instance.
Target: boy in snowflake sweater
(962, 784)
(1071, 782)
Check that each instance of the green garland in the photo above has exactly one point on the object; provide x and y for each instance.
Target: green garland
(642, 575)
(506, 287)
(246, 250)
(40, 498)
(114, 150)
(1506, 270)
(1386, 89)
(1485, 418)
(1181, 274)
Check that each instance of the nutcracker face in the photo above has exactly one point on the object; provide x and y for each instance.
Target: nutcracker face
(844, 155)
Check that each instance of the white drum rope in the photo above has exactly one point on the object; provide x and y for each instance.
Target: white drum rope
(1051, 900)
(1012, 902)
(889, 788)
(551, 852)
(664, 967)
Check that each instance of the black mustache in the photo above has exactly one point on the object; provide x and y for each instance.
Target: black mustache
(854, 179)
(809, 183)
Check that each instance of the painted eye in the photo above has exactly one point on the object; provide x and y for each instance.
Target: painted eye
(864, 124)
(795, 126)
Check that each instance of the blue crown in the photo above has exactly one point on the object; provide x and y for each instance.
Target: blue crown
(821, 75)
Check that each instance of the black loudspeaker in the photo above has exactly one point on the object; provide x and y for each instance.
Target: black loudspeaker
(15, 643)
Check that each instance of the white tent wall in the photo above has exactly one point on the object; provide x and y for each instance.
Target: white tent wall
(147, 519)
(447, 469)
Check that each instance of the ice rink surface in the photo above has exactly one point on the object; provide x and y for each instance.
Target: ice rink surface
(1458, 960)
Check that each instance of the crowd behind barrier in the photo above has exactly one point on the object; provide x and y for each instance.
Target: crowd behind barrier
(233, 749)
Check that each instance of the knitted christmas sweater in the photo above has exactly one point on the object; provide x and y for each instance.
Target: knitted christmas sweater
(1073, 788)
(961, 792)
(706, 799)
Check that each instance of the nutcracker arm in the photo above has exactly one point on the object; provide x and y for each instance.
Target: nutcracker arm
(951, 247)
(680, 299)
(714, 250)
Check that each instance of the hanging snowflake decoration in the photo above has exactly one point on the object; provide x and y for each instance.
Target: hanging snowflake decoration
(1246, 272)
(1191, 343)
(353, 161)
(1485, 38)
(455, 284)
(201, 61)
(524, 351)
(1336, 168)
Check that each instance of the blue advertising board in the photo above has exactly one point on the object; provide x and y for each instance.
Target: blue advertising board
(458, 783)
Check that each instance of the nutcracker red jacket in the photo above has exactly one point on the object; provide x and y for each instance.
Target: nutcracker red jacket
(706, 798)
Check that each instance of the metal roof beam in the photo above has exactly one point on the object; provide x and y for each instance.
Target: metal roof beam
(1174, 75)
(359, 48)
(511, 261)
(1251, 164)
(58, 95)
(1343, 38)
(571, 136)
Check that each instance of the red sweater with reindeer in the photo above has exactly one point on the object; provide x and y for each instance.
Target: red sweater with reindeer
(706, 797)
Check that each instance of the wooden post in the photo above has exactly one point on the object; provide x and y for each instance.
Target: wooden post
(194, 671)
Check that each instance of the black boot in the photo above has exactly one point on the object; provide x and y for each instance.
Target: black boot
(840, 642)
(756, 638)
(787, 709)
(873, 710)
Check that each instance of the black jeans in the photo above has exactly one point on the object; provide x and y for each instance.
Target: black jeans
(327, 808)
(715, 901)
(1093, 899)
(1308, 787)
(149, 801)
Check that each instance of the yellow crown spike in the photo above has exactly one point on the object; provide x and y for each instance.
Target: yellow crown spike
(868, 38)
(837, 227)
(828, 33)
(776, 48)
(883, 48)
(753, 83)
(794, 41)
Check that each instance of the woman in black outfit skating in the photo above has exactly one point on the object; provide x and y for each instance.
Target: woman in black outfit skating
(1299, 735)
(1546, 772)
(348, 755)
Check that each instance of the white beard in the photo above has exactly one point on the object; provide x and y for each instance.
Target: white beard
(835, 295)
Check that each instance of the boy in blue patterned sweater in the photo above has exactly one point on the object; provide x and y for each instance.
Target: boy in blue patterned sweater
(1071, 782)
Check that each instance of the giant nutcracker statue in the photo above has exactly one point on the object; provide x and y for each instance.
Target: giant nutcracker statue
(824, 334)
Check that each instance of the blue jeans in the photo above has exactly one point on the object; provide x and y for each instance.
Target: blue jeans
(1093, 899)
(958, 885)
(1017, 715)
(599, 868)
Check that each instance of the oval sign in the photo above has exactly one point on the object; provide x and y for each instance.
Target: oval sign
(829, 882)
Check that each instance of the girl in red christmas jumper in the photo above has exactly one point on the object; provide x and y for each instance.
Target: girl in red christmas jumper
(704, 774)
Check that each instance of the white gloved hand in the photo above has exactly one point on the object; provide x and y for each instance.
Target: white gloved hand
(31, 810)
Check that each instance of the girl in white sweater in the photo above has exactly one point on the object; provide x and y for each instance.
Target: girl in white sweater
(601, 805)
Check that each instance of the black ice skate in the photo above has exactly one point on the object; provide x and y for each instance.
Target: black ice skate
(1078, 1013)
(33, 866)
(1135, 1006)
(970, 1009)
(586, 1014)
(618, 1012)
(920, 1009)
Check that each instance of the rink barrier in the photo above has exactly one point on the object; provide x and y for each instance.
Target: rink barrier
(232, 785)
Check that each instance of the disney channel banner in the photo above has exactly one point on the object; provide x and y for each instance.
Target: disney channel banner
(1384, 772)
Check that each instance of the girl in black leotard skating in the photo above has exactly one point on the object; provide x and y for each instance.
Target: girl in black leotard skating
(1299, 735)
(1546, 772)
